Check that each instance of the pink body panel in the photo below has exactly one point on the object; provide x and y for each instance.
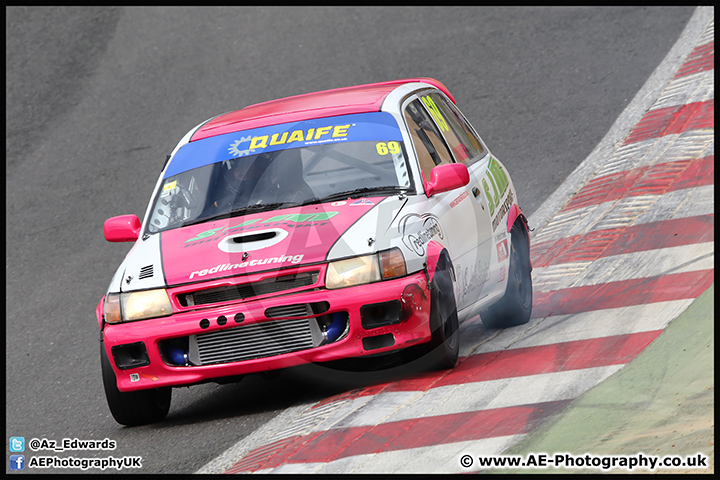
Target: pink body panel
(414, 329)
(303, 235)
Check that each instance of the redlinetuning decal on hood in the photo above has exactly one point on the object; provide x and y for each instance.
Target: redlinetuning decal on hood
(257, 242)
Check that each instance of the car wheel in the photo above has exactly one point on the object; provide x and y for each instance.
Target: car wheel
(515, 306)
(445, 341)
(133, 408)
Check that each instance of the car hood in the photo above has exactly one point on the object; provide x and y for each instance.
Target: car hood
(258, 242)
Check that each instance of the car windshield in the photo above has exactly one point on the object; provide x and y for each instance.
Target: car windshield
(308, 172)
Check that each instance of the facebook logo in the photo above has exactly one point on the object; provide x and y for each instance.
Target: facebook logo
(17, 462)
(17, 444)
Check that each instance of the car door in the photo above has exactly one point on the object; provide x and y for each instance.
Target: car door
(453, 210)
(467, 148)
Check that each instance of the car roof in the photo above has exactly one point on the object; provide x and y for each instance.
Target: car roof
(327, 103)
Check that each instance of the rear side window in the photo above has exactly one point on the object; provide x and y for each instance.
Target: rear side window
(429, 145)
(466, 147)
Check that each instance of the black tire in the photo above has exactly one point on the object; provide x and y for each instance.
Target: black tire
(133, 408)
(515, 306)
(444, 345)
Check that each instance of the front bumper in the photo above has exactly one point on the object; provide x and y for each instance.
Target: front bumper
(155, 370)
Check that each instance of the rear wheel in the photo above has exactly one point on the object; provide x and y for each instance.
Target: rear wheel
(445, 342)
(515, 306)
(133, 408)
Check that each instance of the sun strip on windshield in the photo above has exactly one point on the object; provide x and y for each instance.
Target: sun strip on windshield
(374, 126)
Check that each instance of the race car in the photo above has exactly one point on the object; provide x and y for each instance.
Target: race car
(332, 225)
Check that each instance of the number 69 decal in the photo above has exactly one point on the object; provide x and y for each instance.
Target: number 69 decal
(384, 148)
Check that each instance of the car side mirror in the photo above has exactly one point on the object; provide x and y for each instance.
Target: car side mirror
(444, 178)
(123, 228)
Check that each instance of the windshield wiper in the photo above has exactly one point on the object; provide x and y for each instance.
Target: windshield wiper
(359, 192)
(259, 207)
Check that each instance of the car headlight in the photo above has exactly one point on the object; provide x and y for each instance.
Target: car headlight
(127, 307)
(365, 269)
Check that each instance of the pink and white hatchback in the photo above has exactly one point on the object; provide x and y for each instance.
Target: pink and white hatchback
(332, 225)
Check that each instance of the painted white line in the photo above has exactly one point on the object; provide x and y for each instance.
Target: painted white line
(443, 458)
(376, 409)
(650, 263)
(478, 396)
(625, 211)
(573, 222)
(293, 468)
(709, 34)
(628, 266)
(687, 145)
(683, 203)
(569, 328)
(587, 325)
(426, 460)
(556, 276)
(697, 87)
(700, 201)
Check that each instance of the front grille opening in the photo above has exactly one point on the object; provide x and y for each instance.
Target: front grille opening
(248, 290)
(302, 310)
(299, 310)
(259, 340)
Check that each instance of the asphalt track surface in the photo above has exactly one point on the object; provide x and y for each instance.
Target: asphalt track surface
(97, 97)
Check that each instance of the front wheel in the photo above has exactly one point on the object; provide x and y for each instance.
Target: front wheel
(444, 345)
(133, 408)
(515, 306)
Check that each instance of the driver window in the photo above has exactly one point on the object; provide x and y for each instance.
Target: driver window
(430, 148)
(466, 147)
